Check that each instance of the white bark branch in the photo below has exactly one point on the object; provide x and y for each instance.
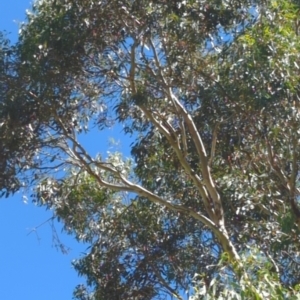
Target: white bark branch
(205, 169)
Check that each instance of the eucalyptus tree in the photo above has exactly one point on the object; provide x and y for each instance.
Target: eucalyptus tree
(209, 92)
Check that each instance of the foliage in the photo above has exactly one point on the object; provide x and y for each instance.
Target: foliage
(209, 91)
(263, 283)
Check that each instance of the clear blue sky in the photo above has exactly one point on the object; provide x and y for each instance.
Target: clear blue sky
(30, 267)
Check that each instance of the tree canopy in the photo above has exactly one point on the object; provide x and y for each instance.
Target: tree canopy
(206, 206)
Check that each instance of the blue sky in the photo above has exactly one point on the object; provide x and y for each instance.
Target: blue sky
(30, 266)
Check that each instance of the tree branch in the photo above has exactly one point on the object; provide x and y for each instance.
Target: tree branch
(205, 169)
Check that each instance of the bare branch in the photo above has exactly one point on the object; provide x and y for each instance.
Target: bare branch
(183, 162)
(85, 161)
(205, 169)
